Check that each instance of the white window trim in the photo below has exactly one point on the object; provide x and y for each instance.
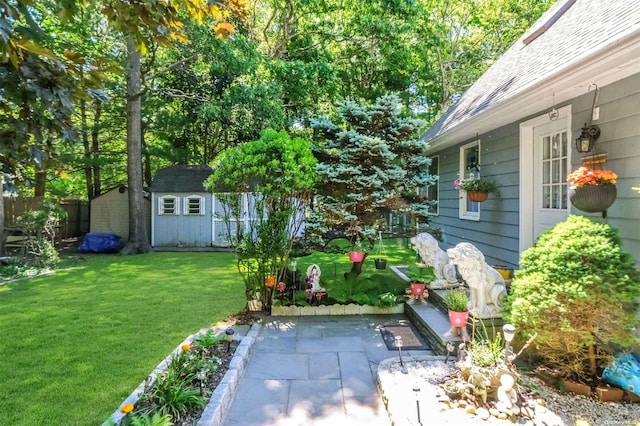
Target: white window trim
(437, 185)
(463, 213)
(185, 207)
(175, 203)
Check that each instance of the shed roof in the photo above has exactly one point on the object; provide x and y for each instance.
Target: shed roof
(570, 32)
(181, 178)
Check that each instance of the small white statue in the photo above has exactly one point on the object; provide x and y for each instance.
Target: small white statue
(432, 255)
(486, 284)
(507, 397)
(313, 283)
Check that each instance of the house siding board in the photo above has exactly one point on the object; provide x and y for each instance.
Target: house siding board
(619, 123)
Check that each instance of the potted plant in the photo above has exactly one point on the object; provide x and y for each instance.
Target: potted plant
(357, 252)
(380, 262)
(457, 302)
(592, 190)
(478, 189)
(419, 275)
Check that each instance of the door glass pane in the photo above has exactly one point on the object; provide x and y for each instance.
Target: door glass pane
(546, 196)
(555, 175)
(555, 146)
(546, 173)
(546, 141)
(555, 198)
(564, 144)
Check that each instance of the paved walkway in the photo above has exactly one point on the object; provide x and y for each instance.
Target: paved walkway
(315, 371)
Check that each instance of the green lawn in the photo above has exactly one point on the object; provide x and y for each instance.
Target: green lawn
(75, 344)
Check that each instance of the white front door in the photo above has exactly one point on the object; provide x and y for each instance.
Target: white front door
(544, 162)
(550, 159)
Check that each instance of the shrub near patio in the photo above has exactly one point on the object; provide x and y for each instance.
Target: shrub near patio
(577, 289)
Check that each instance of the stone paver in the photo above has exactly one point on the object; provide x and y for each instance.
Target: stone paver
(314, 371)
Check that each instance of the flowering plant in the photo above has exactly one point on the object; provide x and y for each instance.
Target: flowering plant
(478, 184)
(591, 177)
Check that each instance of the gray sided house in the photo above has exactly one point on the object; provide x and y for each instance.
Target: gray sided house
(109, 212)
(578, 65)
(184, 214)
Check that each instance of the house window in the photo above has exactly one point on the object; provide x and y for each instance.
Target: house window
(194, 205)
(168, 204)
(430, 191)
(469, 169)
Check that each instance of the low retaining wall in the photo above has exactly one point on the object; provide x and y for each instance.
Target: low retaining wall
(351, 309)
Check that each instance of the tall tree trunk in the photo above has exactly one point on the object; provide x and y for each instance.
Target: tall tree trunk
(88, 177)
(2, 236)
(138, 240)
(40, 180)
(95, 150)
(147, 162)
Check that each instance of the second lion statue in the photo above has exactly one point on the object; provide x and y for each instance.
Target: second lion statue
(486, 284)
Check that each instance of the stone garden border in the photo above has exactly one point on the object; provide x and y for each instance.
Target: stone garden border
(221, 398)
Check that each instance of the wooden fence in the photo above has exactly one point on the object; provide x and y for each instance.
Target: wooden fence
(76, 223)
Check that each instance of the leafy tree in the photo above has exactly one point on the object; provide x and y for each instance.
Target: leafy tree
(369, 163)
(217, 95)
(280, 173)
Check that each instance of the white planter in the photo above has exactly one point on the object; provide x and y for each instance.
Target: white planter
(351, 309)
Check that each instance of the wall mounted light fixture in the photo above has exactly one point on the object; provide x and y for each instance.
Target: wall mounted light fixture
(587, 139)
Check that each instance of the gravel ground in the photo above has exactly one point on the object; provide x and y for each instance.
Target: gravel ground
(548, 406)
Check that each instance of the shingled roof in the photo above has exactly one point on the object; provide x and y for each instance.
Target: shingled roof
(568, 34)
(181, 178)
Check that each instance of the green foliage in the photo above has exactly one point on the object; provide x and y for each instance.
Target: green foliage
(577, 289)
(457, 299)
(369, 160)
(173, 395)
(147, 419)
(39, 227)
(479, 184)
(365, 291)
(279, 171)
(208, 339)
(420, 274)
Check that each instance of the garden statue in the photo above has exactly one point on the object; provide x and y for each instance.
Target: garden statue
(314, 291)
(478, 385)
(432, 255)
(507, 397)
(486, 284)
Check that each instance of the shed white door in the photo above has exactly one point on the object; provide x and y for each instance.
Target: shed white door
(544, 161)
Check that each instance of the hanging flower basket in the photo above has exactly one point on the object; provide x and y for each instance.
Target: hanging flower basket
(477, 196)
(356, 256)
(593, 198)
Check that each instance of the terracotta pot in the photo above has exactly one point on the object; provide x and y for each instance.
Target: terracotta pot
(356, 256)
(417, 289)
(477, 196)
(593, 199)
(458, 319)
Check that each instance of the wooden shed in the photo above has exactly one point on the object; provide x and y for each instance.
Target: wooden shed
(185, 215)
(110, 212)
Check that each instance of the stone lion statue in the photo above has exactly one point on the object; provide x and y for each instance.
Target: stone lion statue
(486, 284)
(432, 255)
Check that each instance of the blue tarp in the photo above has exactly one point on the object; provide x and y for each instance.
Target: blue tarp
(624, 372)
(94, 242)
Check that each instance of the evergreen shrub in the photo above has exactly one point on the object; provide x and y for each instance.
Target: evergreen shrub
(577, 289)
